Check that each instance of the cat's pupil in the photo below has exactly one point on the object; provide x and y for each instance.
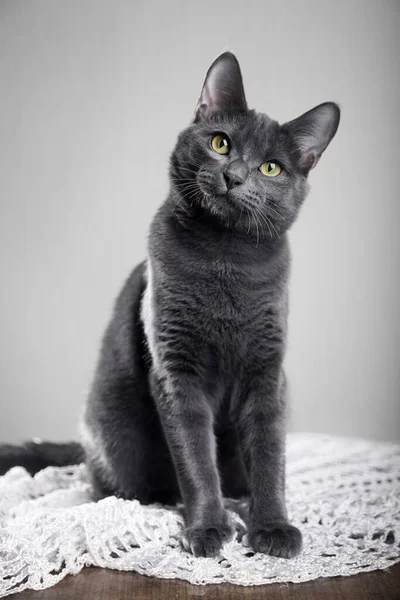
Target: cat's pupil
(271, 167)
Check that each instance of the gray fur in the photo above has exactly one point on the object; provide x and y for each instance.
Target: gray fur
(189, 399)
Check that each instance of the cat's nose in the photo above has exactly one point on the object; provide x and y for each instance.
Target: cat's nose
(236, 174)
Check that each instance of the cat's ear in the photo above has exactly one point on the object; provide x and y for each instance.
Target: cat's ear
(222, 88)
(313, 131)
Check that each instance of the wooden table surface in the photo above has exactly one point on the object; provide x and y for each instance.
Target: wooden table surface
(103, 584)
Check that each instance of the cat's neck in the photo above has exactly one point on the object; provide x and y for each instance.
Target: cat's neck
(196, 241)
(205, 226)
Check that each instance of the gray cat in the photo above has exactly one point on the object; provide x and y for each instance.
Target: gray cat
(189, 397)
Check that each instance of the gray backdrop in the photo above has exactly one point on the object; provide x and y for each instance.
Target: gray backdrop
(93, 95)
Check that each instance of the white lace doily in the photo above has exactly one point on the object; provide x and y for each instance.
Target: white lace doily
(343, 494)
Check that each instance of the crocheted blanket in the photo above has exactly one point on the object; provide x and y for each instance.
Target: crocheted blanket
(344, 494)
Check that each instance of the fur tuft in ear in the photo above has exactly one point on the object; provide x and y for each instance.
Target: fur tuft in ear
(313, 131)
(222, 88)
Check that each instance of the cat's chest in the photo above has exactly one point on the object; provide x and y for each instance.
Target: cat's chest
(214, 320)
(214, 302)
(228, 301)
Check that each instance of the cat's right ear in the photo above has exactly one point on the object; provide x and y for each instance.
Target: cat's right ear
(222, 88)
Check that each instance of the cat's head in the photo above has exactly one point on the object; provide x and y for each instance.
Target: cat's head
(242, 167)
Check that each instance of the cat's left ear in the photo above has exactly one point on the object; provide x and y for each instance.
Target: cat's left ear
(222, 88)
(313, 131)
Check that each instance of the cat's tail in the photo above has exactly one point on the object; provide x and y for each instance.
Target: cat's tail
(35, 456)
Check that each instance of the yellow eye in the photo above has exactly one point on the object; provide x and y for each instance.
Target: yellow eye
(220, 144)
(270, 169)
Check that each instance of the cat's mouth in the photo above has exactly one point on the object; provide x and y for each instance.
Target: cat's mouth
(210, 185)
(230, 196)
(216, 193)
(210, 190)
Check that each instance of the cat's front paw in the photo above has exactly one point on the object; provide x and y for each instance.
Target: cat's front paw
(280, 539)
(207, 540)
